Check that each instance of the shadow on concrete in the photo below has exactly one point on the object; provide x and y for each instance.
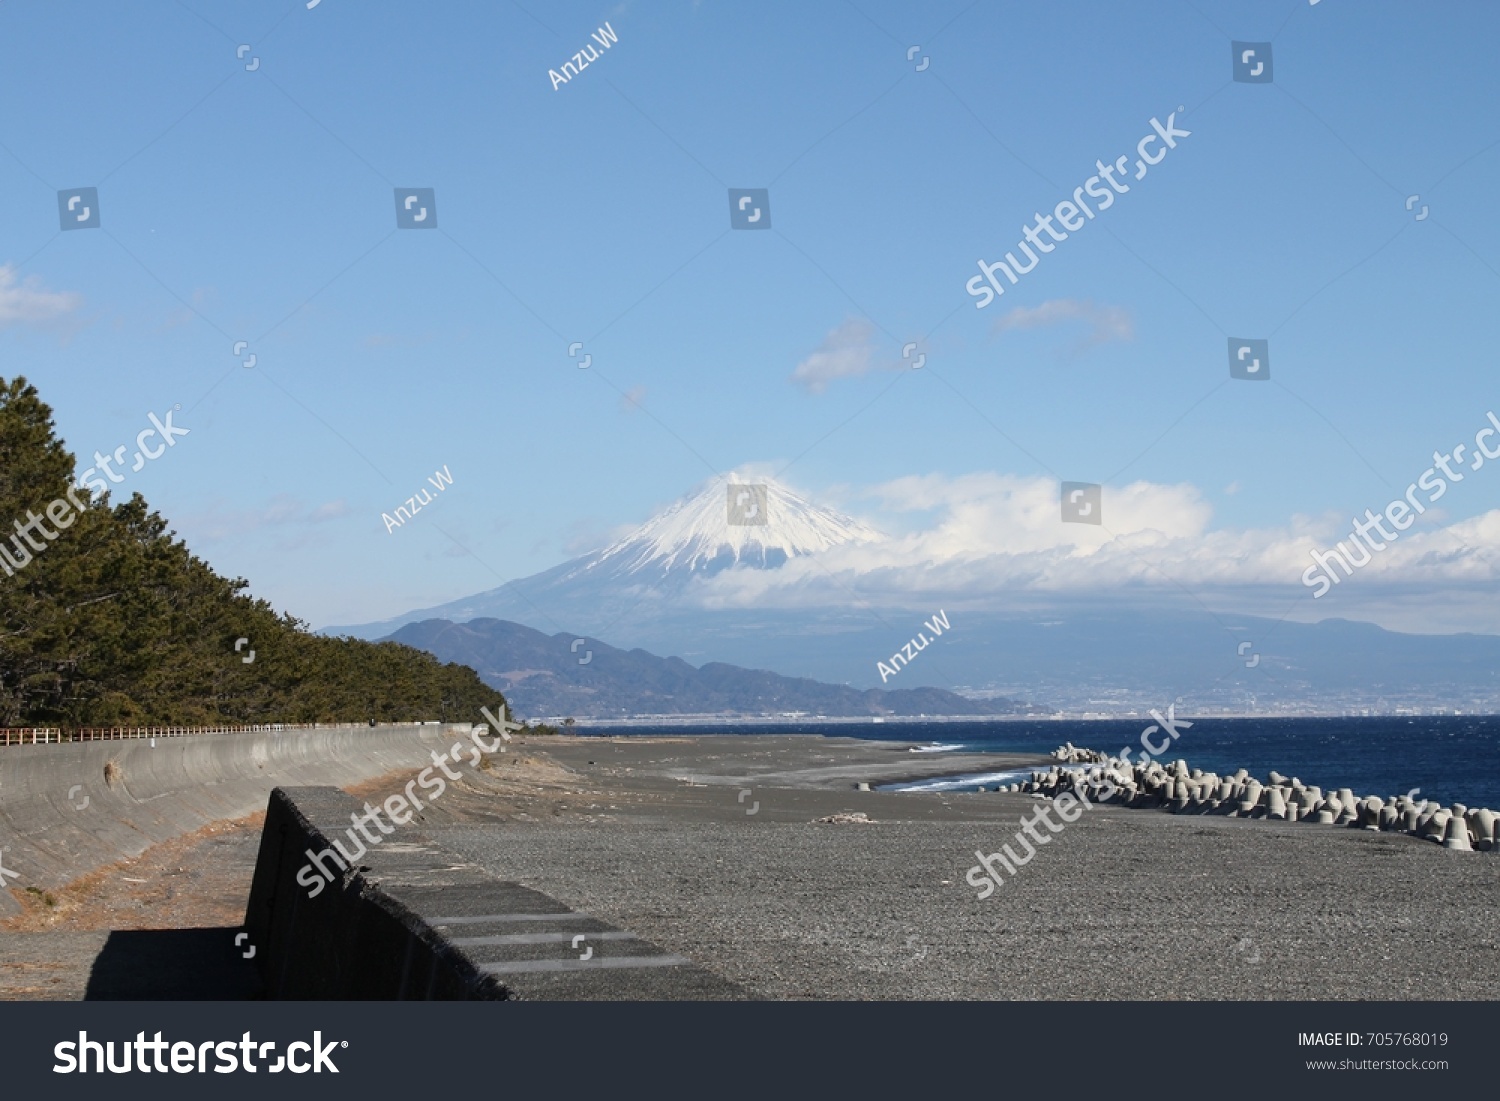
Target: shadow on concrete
(173, 964)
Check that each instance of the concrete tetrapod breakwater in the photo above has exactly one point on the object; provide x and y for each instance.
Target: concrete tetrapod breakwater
(1181, 790)
(414, 921)
(66, 810)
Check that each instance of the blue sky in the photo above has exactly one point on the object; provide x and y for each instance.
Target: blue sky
(258, 205)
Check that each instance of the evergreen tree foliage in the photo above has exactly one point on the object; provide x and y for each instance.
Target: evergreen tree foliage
(115, 622)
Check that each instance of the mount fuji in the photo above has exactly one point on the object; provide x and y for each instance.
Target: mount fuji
(657, 570)
(662, 589)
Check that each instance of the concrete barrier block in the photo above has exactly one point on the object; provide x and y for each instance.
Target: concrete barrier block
(411, 920)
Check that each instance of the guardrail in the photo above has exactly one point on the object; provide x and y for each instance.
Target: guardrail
(45, 735)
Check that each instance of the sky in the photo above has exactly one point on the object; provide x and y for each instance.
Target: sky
(247, 158)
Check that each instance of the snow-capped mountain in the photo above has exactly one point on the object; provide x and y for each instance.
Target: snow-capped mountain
(728, 524)
(640, 593)
(732, 523)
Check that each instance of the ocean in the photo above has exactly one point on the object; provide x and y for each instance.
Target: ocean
(1451, 759)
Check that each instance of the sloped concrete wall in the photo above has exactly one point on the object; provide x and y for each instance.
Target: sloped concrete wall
(352, 940)
(413, 920)
(48, 835)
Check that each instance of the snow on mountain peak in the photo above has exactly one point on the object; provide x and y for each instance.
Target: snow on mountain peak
(731, 522)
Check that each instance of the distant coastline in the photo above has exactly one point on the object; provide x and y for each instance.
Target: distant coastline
(583, 724)
(1451, 758)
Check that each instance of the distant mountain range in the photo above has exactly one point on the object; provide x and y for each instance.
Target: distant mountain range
(546, 677)
(667, 587)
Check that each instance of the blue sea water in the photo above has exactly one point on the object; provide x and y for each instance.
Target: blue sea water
(1450, 758)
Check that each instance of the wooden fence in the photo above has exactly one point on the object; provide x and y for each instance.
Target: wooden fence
(44, 735)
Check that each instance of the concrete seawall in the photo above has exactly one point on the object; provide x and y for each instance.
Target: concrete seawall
(66, 810)
(415, 921)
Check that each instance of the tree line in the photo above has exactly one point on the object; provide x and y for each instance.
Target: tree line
(114, 622)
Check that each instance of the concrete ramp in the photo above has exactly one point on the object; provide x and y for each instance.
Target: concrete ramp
(66, 810)
(411, 920)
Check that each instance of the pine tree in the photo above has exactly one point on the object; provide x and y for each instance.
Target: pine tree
(116, 622)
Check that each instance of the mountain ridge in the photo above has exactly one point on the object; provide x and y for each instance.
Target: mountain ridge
(563, 675)
(654, 589)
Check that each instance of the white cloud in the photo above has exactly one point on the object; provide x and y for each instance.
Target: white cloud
(1105, 323)
(331, 510)
(24, 302)
(200, 298)
(218, 522)
(846, 352)
(992, 538)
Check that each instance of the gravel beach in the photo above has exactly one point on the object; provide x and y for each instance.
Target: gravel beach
(710, 847)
